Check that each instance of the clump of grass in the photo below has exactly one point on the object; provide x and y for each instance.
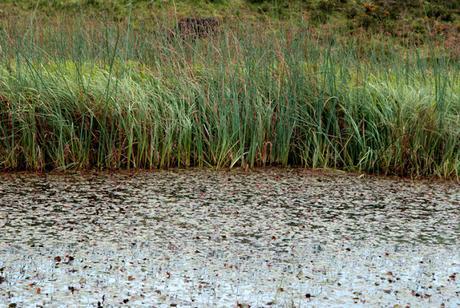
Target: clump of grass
(116, 96)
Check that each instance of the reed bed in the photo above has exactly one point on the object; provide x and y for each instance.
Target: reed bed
(77, 94)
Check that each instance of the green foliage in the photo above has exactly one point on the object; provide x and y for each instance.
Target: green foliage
(258, 1)
(398, 18)
(112, 96)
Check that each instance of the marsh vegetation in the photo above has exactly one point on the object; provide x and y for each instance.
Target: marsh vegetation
(96, 87)
(76, 93)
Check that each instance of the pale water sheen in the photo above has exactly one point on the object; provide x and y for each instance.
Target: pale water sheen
(203, 238)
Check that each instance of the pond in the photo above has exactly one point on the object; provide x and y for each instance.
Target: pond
(272, 237)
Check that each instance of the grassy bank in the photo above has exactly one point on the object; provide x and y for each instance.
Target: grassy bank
(414, 19)
(79, 94)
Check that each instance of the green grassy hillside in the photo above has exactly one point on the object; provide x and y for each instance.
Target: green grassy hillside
(384, 15)
(414, 21)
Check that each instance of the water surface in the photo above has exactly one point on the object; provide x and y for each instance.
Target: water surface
(202, 238)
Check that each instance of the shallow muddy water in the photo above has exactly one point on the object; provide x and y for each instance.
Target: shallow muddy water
(203, 238)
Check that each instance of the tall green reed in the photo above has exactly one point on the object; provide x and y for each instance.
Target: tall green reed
(82, 94)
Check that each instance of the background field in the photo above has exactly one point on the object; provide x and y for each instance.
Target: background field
(400, 18)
